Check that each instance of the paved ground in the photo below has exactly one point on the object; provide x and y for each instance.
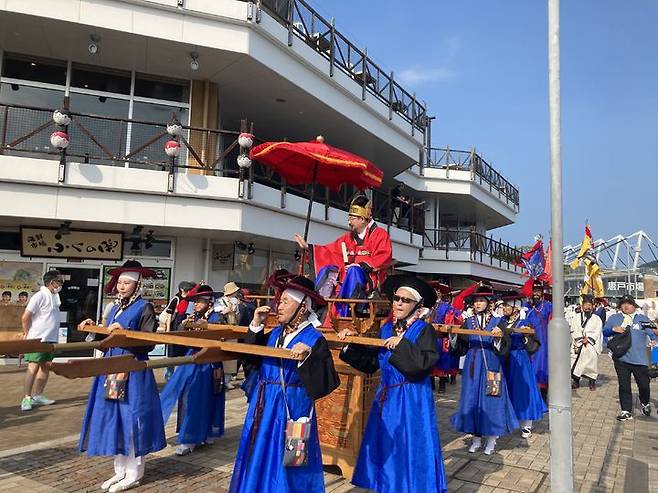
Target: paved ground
(37, 449)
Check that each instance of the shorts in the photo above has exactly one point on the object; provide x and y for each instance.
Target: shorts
(38, 357)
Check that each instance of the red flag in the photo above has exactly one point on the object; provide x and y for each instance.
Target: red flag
(460, 299)
(548, 269)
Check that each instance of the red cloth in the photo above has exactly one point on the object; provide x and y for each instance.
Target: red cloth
(181, 307)
(376, 251)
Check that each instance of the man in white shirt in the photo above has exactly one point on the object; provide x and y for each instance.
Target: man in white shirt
(41, 321)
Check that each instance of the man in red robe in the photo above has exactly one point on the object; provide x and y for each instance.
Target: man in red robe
(362, 255)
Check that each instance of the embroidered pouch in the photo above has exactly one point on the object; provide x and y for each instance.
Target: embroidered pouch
(296, 442)
(493, 383)
(116, 386)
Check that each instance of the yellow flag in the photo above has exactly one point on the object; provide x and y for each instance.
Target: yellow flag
(585, 247)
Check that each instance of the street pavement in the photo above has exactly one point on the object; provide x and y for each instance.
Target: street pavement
(38, 448)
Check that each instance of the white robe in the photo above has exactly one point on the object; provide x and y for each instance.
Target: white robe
(585, 354)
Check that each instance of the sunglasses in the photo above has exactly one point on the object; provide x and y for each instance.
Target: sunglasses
(403, 299)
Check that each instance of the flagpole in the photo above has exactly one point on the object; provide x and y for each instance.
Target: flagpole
(559, 336)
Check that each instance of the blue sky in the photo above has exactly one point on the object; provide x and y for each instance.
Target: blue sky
(481, 65)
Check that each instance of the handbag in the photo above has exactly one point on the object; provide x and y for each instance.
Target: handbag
(116, 386)
(493, 377)
(531, 344)
(620, 343)
(297, 433)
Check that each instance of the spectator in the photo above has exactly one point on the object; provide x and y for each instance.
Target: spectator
(172, 316)
(652, 313)
(41, 321)
(22, 298)
(6, 298)
(635, 361)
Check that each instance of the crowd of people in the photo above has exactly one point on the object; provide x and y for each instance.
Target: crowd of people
(501, 353)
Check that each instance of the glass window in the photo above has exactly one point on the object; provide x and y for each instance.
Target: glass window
(22, 122)
(110, 134)
(168, 90)
(100, 79)
(144, 133)
(34, 69)
(10, 240)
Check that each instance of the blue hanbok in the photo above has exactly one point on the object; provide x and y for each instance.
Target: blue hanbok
(401, 450)
(259, 462)
(480, 414)
(538, 317)
(109, 426)
(521, 383)
(200, 408)
(448, 362)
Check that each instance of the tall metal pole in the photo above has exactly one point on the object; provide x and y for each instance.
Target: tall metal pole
(559, 336)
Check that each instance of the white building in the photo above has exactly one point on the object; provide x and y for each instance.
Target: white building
(125, 68)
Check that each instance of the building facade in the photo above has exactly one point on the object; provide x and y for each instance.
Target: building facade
(127, 70)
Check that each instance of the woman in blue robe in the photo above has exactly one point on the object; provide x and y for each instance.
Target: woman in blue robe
(283, 390)
(485, 409)
(198, 389)
(123, 417)
(540, 312)
(447, 366)
(401, 450)
(522, 385)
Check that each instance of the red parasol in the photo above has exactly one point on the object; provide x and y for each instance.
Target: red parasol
(315, 162)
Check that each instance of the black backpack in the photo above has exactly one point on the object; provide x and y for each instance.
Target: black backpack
(619, 344)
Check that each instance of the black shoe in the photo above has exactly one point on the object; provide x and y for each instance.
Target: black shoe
(453, 379)
(575, 384)
(442, 386)
(624, 416)
(646, 409)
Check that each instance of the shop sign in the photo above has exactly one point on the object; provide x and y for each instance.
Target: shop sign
(78, 244)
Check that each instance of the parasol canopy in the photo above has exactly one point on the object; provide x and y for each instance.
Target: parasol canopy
(302, 163)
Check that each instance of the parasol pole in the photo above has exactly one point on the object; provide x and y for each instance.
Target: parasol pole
(310, 201)
(559, 337)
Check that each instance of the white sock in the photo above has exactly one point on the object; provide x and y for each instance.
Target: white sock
(526, 423)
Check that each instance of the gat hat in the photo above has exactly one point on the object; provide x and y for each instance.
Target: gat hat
(185, 285)
(586, 298)
(361, 207)
(442, 288)
(627, 298)
(397, 281)
(482, 291)
(281, 280)
(537, 284)
(230, 288)
(203, 292)
(132, 266)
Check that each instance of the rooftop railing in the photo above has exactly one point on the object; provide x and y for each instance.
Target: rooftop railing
(482, 248)
(481, 171)
(102, 140)
(304, 23)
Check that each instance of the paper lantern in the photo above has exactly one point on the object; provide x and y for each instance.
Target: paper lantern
(59, 139)
(62, 117)
(244, 161)
(246, 140)
(172, 148)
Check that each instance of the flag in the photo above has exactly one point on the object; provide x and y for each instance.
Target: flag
(592, 282)
(533, 261)
(548, 268)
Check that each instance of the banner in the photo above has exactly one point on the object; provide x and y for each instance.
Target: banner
(78, 243)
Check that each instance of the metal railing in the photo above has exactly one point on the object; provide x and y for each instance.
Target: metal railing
(303, 22)
(482, 248)
(101, 140)
(481, 171)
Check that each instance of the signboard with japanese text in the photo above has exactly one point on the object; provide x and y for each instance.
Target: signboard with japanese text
(78, 244)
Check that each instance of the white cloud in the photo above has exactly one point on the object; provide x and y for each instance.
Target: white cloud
(420, 75)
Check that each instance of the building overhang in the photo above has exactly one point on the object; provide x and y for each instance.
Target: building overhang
(285, 90)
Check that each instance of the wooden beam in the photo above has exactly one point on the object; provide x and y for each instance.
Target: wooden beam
(93, 367)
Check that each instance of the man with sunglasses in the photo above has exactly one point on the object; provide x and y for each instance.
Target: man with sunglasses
(41, 321)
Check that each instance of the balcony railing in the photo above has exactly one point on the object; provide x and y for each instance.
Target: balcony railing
(101, 140)
(481, 171)
(306, 24)
(481, 248)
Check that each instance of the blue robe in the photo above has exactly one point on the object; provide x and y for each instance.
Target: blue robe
(448, 362)
(259, 462)
(538, 317)
(401, 449)
(200, 410)
(521, 383)
(108, 425)
(478, 413)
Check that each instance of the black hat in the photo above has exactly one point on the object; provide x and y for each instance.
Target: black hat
(185, 285)
(397, 281)
(203, 292)
(627, 298)
(482, 291)
(511, 295)
(537, 284)
(586, 298)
